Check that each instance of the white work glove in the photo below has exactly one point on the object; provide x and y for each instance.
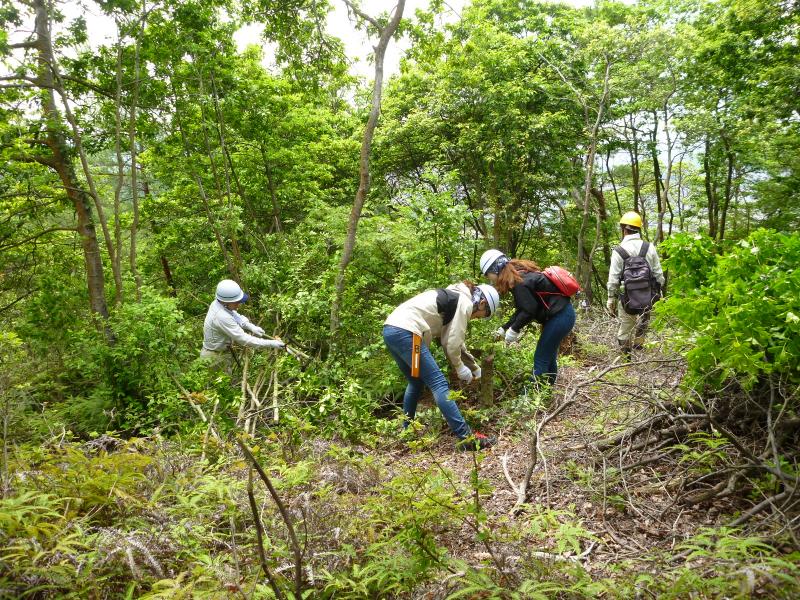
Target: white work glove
(512, 336)
(476, 374)
(464, 374)
(611, 307)
(500, 333)
(257, 330)
(275, 344)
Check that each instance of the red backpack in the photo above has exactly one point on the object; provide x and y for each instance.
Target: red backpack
(563, 280)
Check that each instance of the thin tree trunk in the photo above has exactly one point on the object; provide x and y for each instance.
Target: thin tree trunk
(120, 169)
(633, 151)
(386, 34)
(137, 278)
(602, 214)
(173, 290)
(61, 163)
(711, 195)
(659, 183)
(613, 184)
(251, 212)
(729, 158)
(201, 189)
(58, 86)
(276, 208)
(668, 176)
(585, 269)
(231, 231)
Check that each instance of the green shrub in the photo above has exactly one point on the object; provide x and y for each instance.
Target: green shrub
(740, 313)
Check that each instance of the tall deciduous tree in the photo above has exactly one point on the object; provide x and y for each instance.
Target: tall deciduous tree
(385, 32)
(61, 139)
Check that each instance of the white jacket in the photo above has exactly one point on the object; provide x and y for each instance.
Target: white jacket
(632, 245)
(420, 315)
(223, 326)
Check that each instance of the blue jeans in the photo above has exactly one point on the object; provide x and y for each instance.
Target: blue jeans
(545, 365)
(399, 341)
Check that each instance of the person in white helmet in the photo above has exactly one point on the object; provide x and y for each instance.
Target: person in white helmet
(442, 313)
(223, 325)
(536, 298)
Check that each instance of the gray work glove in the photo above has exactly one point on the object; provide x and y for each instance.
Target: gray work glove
(464, 374)
(512, 336)
(257, 330)
(476, 374)
(500, 333)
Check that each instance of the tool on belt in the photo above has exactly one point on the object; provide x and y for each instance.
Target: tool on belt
(416, 353)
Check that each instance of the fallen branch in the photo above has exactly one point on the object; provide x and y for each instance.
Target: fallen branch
(287, 519)
(260, 537)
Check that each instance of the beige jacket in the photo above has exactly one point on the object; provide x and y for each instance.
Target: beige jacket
(419, 315)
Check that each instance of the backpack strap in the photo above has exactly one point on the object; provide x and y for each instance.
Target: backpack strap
(643, 250)
(446, 304)
(622, 252)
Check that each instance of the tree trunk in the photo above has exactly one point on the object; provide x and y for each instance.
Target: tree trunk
(487, 381)
(658, 182)
(585, 267)
(386, 34)
(137, 278)
(61, 163)
(173, 290)
(711, 194)
(49, 68)
(231, 231)
(120, 169)
(729, 158)
(276, 208)
(613, 184)
(251, 212)
(633, 151)
(201, 189)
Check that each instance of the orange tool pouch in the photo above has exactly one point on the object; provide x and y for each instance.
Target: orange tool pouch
(416, 352)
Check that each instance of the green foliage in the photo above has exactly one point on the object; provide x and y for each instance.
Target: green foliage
(39, 547)
(103, 485)
(689, 258)
(743, 322)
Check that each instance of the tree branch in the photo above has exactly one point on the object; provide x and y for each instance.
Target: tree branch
(363, 15)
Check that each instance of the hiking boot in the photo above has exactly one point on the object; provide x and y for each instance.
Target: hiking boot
(477, 441)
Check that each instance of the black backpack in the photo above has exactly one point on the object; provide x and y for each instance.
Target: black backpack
(641, 288)
(446, 304)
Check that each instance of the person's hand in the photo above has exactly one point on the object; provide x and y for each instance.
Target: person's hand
(464, 374)
(279, 344)
(512, 336)
(500, 333)
(476, 374)
(257, 330)
(611, 307)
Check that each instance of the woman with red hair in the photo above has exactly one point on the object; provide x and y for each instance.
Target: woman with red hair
(536, 298)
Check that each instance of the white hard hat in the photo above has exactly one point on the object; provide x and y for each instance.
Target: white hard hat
(229, 291)
(491, 295)
(488, 258)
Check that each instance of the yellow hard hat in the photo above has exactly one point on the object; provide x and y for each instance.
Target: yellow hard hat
(631, 218)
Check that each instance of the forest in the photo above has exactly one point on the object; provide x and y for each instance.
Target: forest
(147, 158)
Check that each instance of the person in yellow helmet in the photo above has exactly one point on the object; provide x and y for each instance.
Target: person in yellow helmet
(634, 265)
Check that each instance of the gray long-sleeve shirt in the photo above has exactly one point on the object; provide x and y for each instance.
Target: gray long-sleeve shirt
(223, 326)
(632, 245)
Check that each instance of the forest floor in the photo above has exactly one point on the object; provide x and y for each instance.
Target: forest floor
(614, 506)
(608, 492)
(624, 496)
